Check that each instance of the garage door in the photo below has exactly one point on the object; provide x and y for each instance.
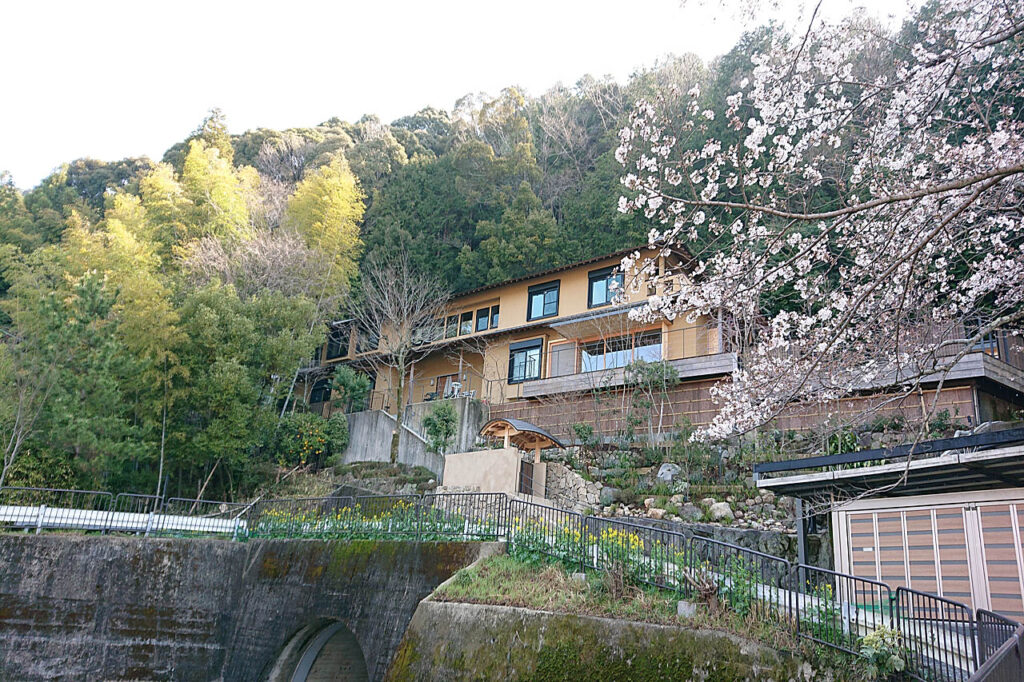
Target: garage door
(971, 552)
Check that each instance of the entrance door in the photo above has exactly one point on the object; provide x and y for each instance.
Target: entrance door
(526, 477)
(444, 386)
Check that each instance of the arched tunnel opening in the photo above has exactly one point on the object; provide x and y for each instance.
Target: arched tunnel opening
(325, 651)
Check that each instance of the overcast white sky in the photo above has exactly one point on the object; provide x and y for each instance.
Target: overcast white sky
(116, 79)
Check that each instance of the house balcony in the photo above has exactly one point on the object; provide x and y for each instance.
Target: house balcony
(686, 368)
(594, 364)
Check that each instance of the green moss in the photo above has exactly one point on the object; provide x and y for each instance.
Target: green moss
(405, 660)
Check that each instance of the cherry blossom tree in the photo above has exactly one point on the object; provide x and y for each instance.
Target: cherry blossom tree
(863, 214)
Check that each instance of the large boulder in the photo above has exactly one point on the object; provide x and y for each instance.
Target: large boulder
(690, 512)
(721, 511)
(668, 471)
(610, 495)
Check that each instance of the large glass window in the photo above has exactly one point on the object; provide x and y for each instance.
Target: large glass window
(453, 327)
(648, 347)
(603, 287)
(543, 301)
(524, 361)
(436, 332)
(466, 324)
(620, 351)
(366, 341)
(494, 317)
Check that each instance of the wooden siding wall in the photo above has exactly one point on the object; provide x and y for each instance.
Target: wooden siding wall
(970, 551)
(690, 402)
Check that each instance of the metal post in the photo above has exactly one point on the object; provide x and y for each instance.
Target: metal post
(39, 518)
(149, 524)
(801, 539)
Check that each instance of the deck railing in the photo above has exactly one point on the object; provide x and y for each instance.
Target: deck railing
(941, 639)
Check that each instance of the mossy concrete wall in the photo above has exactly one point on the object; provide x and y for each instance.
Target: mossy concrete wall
(76, 607)
(452, 641)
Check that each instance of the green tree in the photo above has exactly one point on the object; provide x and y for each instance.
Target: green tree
(218, 196)
(525, 240)
(325, 210)
(441, 425)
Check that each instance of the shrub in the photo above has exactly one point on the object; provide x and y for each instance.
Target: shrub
(337, 438)
(307, 438)
(354, 387)
(441, 425)
(884, 652)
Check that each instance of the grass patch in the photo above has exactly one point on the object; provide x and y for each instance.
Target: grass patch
(509, 581)
(400, 473)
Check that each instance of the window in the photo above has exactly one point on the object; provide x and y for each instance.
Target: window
(620, 351)
(482, 317)
(466, 325)
(337, 343)
(543, 301)
(603, 286)
(605, 354)
(648, 347)
(453, 327)
(436, 331)
(494, 317)
(321, 392)
(524, 361)
(366, 341)
(445, 387)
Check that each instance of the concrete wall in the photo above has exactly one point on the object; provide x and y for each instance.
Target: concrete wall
(489, 471)
(451, 641)
(370, 434)
(118, 608)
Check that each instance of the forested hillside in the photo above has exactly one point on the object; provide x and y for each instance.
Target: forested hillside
(155, 312)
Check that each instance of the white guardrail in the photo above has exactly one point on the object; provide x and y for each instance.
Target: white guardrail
(43, 517)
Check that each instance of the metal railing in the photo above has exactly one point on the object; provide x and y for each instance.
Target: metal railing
(993, 631)
(940, 639)
(938, 633)
(1006, 664)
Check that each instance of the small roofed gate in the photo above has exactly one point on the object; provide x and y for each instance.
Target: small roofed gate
(525, 437)
(967, 547)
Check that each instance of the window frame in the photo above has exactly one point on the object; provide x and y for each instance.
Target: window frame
(494, 316)
(339, 336)
(322, 384)
(482, 315)
(542, 290)
(525, 347)
(451, 329)
(366, 341)
(466, 318)
(607, 274)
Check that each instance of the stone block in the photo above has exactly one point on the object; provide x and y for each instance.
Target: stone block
(668, 471)
(686, 609)
(721, 511)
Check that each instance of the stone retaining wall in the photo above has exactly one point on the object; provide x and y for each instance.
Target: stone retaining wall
(569, 490)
